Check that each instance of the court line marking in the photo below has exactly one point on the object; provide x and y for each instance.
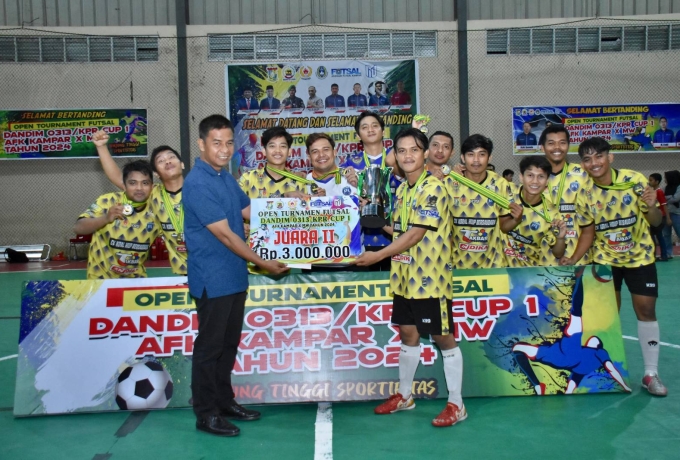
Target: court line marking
(5, 358)
(665, 344)
(323, 432)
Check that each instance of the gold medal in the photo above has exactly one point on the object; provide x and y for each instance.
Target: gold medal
(639, 189)
(314, 188)
(127, 210)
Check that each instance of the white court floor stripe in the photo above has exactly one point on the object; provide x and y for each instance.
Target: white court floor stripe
(5, 358)
(665, 344)
(323, 433)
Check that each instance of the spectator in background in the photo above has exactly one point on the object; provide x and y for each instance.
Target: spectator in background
(657, 232)
(672, 193)
(508, 175)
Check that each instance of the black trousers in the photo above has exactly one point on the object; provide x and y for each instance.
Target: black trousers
(220, 321)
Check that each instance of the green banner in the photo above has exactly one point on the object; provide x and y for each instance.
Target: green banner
(67, 133)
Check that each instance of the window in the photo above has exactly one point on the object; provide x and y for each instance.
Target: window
(78, 49)
(541, 40)
(319, 46)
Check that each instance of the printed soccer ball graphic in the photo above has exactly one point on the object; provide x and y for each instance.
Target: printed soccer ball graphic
(143, 385)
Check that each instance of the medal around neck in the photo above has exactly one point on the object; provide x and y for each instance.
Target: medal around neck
(127, 210)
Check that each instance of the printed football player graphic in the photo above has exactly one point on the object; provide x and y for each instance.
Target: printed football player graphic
(567, 353)
(259, 237)
(641, 138)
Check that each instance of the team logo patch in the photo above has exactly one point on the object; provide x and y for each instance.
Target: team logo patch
(534, 226)
(431, 201)
(149, 226)
(573, 186)
(612, 202)
(346, 191)
(627, 199)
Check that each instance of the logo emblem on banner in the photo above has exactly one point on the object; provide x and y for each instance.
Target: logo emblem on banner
(288, 73)
(371, 71)
(273, 72)
(306, 72)
(321, 72)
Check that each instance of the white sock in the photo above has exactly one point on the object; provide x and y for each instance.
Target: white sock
(453, 371)
(409, 358)
(648, 334)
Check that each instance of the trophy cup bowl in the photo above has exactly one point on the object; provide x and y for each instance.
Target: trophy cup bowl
(375, 181)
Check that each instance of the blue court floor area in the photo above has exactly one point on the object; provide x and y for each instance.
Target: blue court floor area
(612, 426)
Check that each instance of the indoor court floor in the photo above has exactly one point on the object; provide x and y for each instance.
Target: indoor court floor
(609, 426)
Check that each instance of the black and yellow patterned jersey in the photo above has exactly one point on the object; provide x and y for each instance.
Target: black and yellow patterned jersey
(573, 204)
(120, 248)
(622, 236)
(527, 244)
(424, 271)
(477, 238)
(174, 240)
(258, 183)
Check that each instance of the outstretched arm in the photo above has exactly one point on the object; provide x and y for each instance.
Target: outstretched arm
(111, 169)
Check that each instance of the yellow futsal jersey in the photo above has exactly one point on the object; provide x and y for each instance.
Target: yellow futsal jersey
(477, 238)
(120, 248)
(622, 236)
(527, 244)
(258, 183)
(174, 239)
(573, 205)
(424, 271)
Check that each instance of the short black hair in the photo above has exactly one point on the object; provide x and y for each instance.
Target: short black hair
(157, 151)
(552, 129)
(335, 84)
(476, 141)
(508, 171)
(213, 122)
(538, 161)
(269, 87)
(416, 134)
(656, 177)
(663, 118)
(247, 88)
(141, 166)
(316, 136)
(593, 146)
(273, 133)
(442, 133)
(366, 114)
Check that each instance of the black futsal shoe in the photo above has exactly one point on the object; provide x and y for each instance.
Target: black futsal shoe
(217, 425)
(235, 411)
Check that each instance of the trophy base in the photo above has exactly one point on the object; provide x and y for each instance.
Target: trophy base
(371, 216)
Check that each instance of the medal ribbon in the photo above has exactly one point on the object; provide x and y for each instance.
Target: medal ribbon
(563, 180)
(338, 175)
(638, 189)
(367, 161)
(134, 204)
(545, 215)
(290, 175)
(177, 222)
(406, 205)
(495, 197)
